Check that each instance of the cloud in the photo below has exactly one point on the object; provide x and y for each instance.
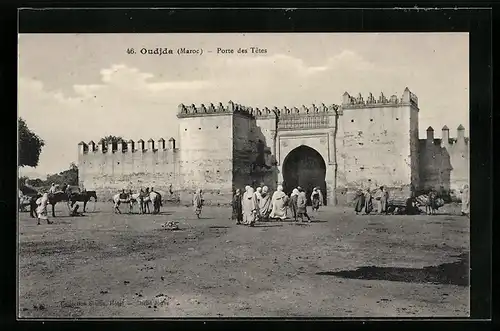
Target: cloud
(351, 61)
(121, 78)
(278, 62)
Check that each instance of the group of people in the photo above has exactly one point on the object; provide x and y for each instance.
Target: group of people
(364, 201)
(259, 205)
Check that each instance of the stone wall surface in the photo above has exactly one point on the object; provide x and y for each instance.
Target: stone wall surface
(377, 146)
(444, 161)
(366, 143)
(206, 156)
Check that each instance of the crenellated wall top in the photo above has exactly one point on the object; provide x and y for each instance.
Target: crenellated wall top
(127, 146)
(446, 139)
(351, 102)
(265, 112)
(210, 110)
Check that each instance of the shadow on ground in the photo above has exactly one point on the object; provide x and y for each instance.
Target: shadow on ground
(454, 273)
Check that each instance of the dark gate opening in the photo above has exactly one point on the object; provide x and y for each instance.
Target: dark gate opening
(304, 167)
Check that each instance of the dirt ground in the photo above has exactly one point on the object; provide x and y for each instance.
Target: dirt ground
(340, 265)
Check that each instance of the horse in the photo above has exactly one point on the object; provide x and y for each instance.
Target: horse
(84, 197)
(131, 199)
(56, 197)
(136, 198)
(121, 198)
(28, 197)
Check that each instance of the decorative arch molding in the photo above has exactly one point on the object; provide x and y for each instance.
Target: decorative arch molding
(319, 142)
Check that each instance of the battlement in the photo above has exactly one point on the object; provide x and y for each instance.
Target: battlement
(127, 146)
(220, 109)
(303, 110)
(350, 102)
(445, 139)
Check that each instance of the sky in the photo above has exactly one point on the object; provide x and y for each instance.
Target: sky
(81, 87)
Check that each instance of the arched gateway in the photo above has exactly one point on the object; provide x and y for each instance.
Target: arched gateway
(304, 167)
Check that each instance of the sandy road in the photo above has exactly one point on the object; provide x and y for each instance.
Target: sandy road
(341, 265)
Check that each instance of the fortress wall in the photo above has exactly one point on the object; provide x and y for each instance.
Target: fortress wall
(266, 130)
(444, 161)
(377, 154)
(110, 172)
(206, 157)
(460, 162)
(376, 144)
(378, 140)
(252, 148)
(244, 149)
(414, 149)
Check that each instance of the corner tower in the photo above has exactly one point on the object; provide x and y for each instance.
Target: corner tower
(380, 137)
(217, 147)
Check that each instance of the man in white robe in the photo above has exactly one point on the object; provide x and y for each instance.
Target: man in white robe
(279, 201)
(249, 207)
(465, 200)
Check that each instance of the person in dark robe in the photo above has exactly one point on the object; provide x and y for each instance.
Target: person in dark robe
(382, 202)
(265, 205)
(123, 195)
(237, 207)
(410, 207)
(67, 190)
(198, 202)
(359, 202)
(293, 203)
(302, 206)
(431, 203)
(368, 202)
(159, 196)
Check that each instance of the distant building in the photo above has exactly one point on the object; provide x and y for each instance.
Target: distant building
(360, 143)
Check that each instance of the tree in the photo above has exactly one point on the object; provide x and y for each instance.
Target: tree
(69, 176)
(30, 145)
(112, 139)
(22, 181)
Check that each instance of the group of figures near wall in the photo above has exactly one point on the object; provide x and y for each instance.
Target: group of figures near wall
(144, 198)
(364, 202)
(260, 205)
(257, 205)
